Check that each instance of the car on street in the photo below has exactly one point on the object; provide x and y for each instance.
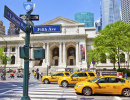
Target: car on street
(104, 85)
(54, 77)
(76, 77)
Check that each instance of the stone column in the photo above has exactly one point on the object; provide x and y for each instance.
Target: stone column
(60, 51)
(64, 54)
(8, 49)
(45, 54)
(48, 54)
(77, 53)
(16, 57)
(19, 59)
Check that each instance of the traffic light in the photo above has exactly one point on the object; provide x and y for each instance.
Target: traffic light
(39, 54)
(23, 51)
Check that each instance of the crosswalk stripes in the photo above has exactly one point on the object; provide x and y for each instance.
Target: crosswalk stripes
(45, 92)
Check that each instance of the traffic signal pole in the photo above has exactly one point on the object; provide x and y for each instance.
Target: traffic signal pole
(26, 62)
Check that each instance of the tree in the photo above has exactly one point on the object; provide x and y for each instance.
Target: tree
(111, 41)
(2, 55)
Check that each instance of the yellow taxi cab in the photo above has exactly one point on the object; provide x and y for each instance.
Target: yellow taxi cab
(104, 85)
(76, 77)
(54, 77)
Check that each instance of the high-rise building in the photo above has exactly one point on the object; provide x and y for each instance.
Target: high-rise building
(13, 29)
(125, 10)
(110, 12)
(2, 28)
(98, 23)
(85, 17)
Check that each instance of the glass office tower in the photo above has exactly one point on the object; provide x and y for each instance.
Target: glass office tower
(85, 17)
(125, 10)
(110, 12)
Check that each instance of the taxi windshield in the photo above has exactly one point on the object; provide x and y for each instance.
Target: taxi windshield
(93, 80)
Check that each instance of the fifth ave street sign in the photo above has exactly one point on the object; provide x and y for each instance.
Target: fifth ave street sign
(47, 29)
(14, 18)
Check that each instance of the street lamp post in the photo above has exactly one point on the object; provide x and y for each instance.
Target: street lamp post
(4, 72)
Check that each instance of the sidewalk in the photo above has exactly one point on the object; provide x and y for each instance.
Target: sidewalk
(20, 79)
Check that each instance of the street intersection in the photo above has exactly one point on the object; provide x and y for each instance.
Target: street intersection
(12, 89)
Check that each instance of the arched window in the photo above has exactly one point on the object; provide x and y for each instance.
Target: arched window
(13, 60)
(71, 52)
(56, 52)
(122, 58)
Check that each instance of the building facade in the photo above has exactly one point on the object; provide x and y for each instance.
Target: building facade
(110, 12)
(13, 29)
(85, 17)
(2, 28)
(125, 10)
(67, 49)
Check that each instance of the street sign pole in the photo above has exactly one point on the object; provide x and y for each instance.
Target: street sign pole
(26, 62)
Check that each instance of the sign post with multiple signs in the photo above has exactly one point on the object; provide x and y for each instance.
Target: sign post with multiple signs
(27, 28)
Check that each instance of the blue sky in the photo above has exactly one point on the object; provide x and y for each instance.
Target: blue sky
(50, 9)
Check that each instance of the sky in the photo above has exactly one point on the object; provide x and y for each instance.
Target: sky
(50, 9)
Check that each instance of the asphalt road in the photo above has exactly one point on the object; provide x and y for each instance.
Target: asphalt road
(39, 91)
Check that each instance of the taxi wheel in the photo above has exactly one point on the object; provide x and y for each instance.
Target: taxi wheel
(87, 91)
(46, 81)
(64, 83)
(126, 92)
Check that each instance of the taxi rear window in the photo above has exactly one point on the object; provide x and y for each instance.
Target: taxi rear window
(67, 74)
(91, 74)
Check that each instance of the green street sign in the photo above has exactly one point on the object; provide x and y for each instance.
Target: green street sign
(8, 59)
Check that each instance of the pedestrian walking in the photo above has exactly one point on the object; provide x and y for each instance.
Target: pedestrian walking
(38, 75)
(35, 74)
(29, 75)
(125, 75)
(1, 76)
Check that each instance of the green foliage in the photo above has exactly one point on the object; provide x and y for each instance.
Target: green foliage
(1, 53)
(124, 71)
(112, 39)
(121, 70)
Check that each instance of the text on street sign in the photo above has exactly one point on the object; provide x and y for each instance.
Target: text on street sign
(14, 18)
(47, 29)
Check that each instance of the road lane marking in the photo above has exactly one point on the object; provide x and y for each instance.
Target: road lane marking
(117, 98)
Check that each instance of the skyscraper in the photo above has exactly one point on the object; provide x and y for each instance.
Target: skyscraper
(125, 10)
(98, 23)
(2, 28)
(13, 29)
(85, 17)
(110, 12)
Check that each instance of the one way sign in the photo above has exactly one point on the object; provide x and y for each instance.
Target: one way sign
(33, 17)
(23, 17)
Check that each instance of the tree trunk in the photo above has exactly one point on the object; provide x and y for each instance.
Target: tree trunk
(118, 59)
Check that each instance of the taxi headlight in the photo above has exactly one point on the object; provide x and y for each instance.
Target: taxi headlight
(79, 85)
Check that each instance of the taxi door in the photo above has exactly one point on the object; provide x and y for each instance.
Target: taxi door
(116, 85)
(74, 78)
(102, 86)
(59, 75)
(54, 77)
